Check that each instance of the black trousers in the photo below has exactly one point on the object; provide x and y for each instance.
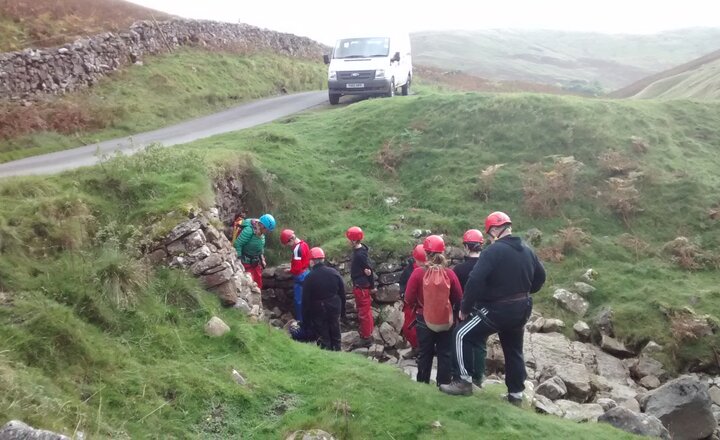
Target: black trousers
(508, 321)
(324, 316)
(431, 344)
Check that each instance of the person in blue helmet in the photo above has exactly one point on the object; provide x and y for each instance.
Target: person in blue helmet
(250, 245)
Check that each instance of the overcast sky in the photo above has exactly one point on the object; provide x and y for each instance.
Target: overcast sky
(326, 20)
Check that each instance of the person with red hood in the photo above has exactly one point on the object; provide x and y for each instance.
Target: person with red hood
(363, 280)
(299, 266)
(408, 329)
(432, 291)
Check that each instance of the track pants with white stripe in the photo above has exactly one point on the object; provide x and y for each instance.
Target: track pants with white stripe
(508, 320)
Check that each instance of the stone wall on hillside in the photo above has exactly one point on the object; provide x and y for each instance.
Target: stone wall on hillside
(32, 73)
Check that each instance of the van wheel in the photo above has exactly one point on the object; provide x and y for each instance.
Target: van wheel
(406, 87)
(391, 93)
(334, 98)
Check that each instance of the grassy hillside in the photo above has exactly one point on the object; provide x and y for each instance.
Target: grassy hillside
(46, 23)
(580, 61)
(698, 79)
(74, 357)
(166, 89)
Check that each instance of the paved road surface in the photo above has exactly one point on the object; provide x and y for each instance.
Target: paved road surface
(244, 116)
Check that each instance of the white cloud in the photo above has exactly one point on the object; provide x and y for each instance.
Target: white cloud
(327, 20)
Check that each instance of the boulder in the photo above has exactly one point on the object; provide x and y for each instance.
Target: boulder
(388, 267)
(376, 351)
(534, 237)
(389, 278)
(647, 366)
(207, 265)
(553, 388)
(17, 430)
(683, 406)
(389, 335)
(553, 325)
(388, 294)
(195, 240)
(631, 404)
(714, 393)
(651, 348)
(544, 405)
(183, 229)
(313, 434)
(216, 327)
(635, 423)
(227, 293)
(580, 412)
(614, 347)
(350, 340)
(536, 325)
(650, 382)
(571, 301)
(394, 317)
(589, 276)
(606, 403)
(583, 289)
(577, 380)
(218, 278)
(603, 322)
(582, 331)
(544, 350)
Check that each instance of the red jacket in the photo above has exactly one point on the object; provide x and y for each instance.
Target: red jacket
(414, 289)
(300, 259)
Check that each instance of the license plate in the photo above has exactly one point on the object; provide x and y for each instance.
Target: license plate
(355, 86)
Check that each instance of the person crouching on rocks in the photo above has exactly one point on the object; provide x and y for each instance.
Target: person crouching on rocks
(497, 300)
(363, 280)
(432, 291)
(323, 300)
(299, 266)
(250, 245)
(418, 259)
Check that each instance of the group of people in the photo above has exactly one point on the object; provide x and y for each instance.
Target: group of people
(448, 312)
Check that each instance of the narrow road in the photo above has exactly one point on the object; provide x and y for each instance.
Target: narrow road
(237, 118)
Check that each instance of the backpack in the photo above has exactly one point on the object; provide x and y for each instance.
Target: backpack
(237, 228)
(437, 309)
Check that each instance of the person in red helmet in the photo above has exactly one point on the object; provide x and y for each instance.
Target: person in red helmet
(418, 259)
(299, 266)
(432, 290)
(363, 280)
(472, 242)
(324, 300)
(497, 300)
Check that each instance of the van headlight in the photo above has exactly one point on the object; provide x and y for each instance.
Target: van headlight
(332, 74)
(380, 74)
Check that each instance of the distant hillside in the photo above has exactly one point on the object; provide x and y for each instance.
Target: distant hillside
(572, 59)
(456, 80)
(698, 79)
(45, 23)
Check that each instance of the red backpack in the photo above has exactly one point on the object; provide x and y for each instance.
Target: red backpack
(437, 309)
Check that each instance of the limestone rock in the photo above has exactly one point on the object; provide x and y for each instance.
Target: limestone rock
(714, 393)
(313, 434)
(603, 322)
(350, 340)
(683, 405)
(650, 382)
(635, 423)
(389, 278)
(394, 317)
(388, 294)
(606, 403)
(651, 348)
(580, 412)
(589, 276)
(544, 405)
(553, 388)
(647, 366)
(388, 267)
(553, 325)
(577, 380)
(582, 331)
(17, 430)
(571, 301)
(615, 347)
(536, 325)
(218, 278)
(216, 327)
(389, 335)
(583, 289)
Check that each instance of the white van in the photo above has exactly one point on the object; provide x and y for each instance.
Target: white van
(369, 66)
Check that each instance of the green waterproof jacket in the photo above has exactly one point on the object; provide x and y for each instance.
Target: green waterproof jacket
(249, 245)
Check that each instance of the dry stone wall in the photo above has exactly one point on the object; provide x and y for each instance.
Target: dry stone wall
(32, 73)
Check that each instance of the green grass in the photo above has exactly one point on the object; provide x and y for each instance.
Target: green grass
(91, 340)
(168, 89)
(701, 83)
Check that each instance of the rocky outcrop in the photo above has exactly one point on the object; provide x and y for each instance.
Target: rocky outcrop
(16, 430)
(36, 72)
(635, 423)
(216, 327)
(196, 245)
(571, 302)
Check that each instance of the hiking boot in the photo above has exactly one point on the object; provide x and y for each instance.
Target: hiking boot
(477, 382)
(457, 388)
(516, 401)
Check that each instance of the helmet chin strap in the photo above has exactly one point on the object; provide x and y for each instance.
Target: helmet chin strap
(498, 236)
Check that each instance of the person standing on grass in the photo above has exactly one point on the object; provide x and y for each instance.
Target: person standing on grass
(432, 290)
(363, 280)
(250, 245)
(418, 259)
(472, 242)
(497, 300)
(324, 300)
(299, 266)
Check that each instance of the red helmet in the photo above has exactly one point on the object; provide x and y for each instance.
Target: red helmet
(419, 254)
(286, 235)
(497, 218)
(354, 233)
(317, 253)
(473, 236)
(434, 244)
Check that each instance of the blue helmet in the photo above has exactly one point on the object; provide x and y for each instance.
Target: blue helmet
(268, 221)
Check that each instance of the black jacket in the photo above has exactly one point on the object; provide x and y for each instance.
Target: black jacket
(361, 261)
(463, 270)
(323, 283)
(405, 275)
(505, 268)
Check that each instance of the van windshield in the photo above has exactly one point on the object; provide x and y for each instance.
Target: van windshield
(362, 48)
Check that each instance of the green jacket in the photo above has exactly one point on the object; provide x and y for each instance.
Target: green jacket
(249, 245)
